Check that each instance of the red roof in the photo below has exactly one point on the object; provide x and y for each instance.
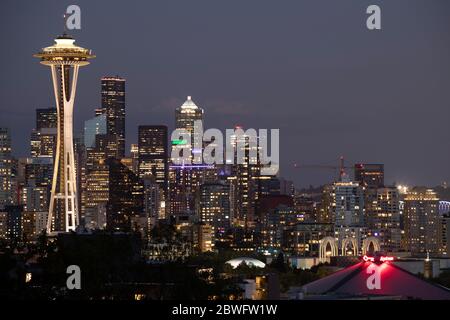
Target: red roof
(385, 279)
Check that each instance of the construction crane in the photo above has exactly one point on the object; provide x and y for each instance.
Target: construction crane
(341, 167)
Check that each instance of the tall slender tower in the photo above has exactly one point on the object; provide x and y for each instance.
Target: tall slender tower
(64, 58)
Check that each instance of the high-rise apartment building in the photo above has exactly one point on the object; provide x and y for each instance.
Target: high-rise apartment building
(385, 219)
(421, 221)
(215, 207)
(348, 205)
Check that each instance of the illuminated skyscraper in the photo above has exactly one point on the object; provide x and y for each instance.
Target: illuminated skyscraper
(185, 117)
(153, 154)
(245, 178)
(64, 58)
(35, 193)
(5, 167)
(348, 212)
(385, 221)
(113, 104)
(348, 204)
(421, 221)
(185, 180)
(187, 114)
(134, 152)
(43, 137)
(215, 207)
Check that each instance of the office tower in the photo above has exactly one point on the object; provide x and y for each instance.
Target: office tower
(245, 178)
(370, 175)
(187, 114)
(36, 183)
(39, 172)
(134, 151)
(64, 58)
(105, 146)
(421, 221)
(113, 105)
(215, 207)
(33, 224)
(305, 206)
(95, 178)
(34, 198)
(43, 142)
(185, 117)
(154, 205)
(95, 194)
(93, 127)
(43, 137)
(275, 222)
(272, 185)
(11, 222)
(5, 168)
(385, 223)
(126, 197)
(185, 179)
(181, 191)
(153, 154)
(46, 118)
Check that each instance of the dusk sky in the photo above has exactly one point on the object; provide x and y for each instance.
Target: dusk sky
(310, 68)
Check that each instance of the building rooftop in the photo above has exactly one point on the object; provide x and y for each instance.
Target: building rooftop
(64, 50)
(189, 104)
(375, 279)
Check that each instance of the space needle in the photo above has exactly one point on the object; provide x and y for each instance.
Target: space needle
(64, 58)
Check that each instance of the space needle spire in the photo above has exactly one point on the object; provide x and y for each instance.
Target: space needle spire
(64, 58)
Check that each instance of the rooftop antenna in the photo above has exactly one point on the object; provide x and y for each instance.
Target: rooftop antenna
(65, 16)
(341, 168)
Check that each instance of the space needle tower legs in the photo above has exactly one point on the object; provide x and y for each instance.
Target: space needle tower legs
(64, 59)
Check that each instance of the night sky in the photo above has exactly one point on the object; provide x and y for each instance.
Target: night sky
(309, 68)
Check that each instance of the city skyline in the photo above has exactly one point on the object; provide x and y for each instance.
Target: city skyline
(234, 155)
(227, 104)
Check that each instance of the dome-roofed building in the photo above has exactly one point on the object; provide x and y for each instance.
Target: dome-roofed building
(251, 262)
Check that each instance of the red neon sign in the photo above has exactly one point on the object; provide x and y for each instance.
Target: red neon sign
(381, 258)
